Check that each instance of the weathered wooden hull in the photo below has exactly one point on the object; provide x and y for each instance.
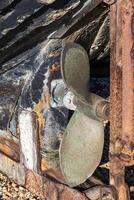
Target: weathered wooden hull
(31, 39)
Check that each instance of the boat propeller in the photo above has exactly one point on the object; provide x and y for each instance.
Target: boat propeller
(82, 144)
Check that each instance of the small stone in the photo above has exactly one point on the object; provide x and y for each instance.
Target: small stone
(10, 190)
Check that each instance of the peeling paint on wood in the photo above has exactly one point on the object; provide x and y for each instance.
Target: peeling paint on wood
(29, 140)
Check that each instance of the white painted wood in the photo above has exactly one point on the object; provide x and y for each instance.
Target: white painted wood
(28, 140)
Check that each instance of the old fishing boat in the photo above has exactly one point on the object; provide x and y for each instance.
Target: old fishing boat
(49, 49)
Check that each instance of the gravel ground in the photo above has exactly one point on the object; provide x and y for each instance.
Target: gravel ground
(9, 190)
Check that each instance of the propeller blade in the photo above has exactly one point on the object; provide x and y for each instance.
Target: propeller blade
(75, 69)
(81, 148)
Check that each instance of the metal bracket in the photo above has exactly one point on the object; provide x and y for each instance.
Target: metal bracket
(97, 107)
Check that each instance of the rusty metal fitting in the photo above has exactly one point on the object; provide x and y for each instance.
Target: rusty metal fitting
(102, 110)
(61, 96)
(96, 106)
(100, 106)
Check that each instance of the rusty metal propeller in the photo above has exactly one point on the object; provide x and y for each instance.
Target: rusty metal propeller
(83, 140)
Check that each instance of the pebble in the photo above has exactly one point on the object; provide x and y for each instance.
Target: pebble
(9, 190)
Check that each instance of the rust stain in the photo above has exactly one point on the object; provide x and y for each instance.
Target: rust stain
(54, 68)
(44, 165)
(10, 148)
(122, 95)
(38, 109)
(34, 183)
(123, 192)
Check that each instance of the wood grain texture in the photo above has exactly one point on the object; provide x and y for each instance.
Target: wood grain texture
(10, 148)
(122, 96)
(12, 169)
(47, 189)
(29, 143)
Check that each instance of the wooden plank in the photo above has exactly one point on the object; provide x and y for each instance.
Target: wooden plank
(31, 22)
(21, 11)
(29, 143)
(13, 170)
(122, 95)
(5, 3)
(47, 188)
(10, 148)
(55, 22)
(9, 94)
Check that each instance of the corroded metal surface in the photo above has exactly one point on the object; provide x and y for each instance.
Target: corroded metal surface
(81, 148)
(75, 69)
(82, 143)
(122, 95)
